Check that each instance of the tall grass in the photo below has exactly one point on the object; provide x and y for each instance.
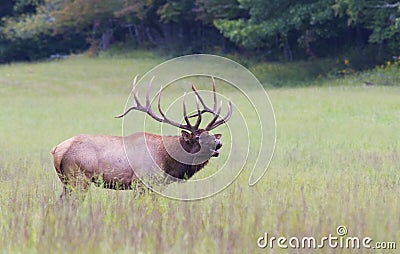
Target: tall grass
(337, 162)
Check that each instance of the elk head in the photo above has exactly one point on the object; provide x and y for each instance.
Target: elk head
(195, 141)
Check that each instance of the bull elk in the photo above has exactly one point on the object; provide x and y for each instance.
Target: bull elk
(103, 159)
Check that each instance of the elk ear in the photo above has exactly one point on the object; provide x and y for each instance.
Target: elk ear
(218, 136)
(186, 136)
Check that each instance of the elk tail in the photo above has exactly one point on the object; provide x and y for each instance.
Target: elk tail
(58, 164)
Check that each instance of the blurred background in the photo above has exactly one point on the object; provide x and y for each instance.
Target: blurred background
(360, 33)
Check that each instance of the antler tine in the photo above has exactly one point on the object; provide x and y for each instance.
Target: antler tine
(216, 115)
(205, 107)
(215, 94)
(223, 120)
(198, 121)
(198, 96)
(136, 93)
(215, 111)
(148, 94)
(185, 116)
(126, 112)
(167, 120)
(138, 105)
(147, 109)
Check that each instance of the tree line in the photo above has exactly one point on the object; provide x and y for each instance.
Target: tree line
(270, 29)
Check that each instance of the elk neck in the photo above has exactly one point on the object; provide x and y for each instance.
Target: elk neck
(178, 169)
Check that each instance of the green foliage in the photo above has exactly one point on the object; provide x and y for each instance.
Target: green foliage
(289, 30)
(40, 47)
(271, 18)
(377, 16)
(82, 13)
(25, 27)
(26, 6)
(310, 23)
(209, 10)
(172, 10)
(242, 32)
(7, 8)
(134, 10)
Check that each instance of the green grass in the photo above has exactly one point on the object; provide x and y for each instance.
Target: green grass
(337, 162)
(293, 74)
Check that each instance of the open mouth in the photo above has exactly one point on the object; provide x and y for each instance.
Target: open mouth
(214, 153)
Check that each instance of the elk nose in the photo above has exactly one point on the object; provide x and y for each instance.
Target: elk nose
(219, 144)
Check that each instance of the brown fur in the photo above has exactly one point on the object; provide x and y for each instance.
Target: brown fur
(102, 159)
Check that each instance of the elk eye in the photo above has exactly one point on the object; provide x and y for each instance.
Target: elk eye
(197, 138)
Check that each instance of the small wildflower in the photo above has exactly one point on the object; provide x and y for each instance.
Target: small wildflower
(346, 61)
(388, 63)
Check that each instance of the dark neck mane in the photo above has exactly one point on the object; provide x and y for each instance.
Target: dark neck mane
(183, 171)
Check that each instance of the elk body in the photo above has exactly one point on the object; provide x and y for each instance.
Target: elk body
(103, 159)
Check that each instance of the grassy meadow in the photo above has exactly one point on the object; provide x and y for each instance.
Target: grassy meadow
(336, 162)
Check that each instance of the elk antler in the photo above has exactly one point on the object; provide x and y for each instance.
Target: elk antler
(188, 126)
(215, 111)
